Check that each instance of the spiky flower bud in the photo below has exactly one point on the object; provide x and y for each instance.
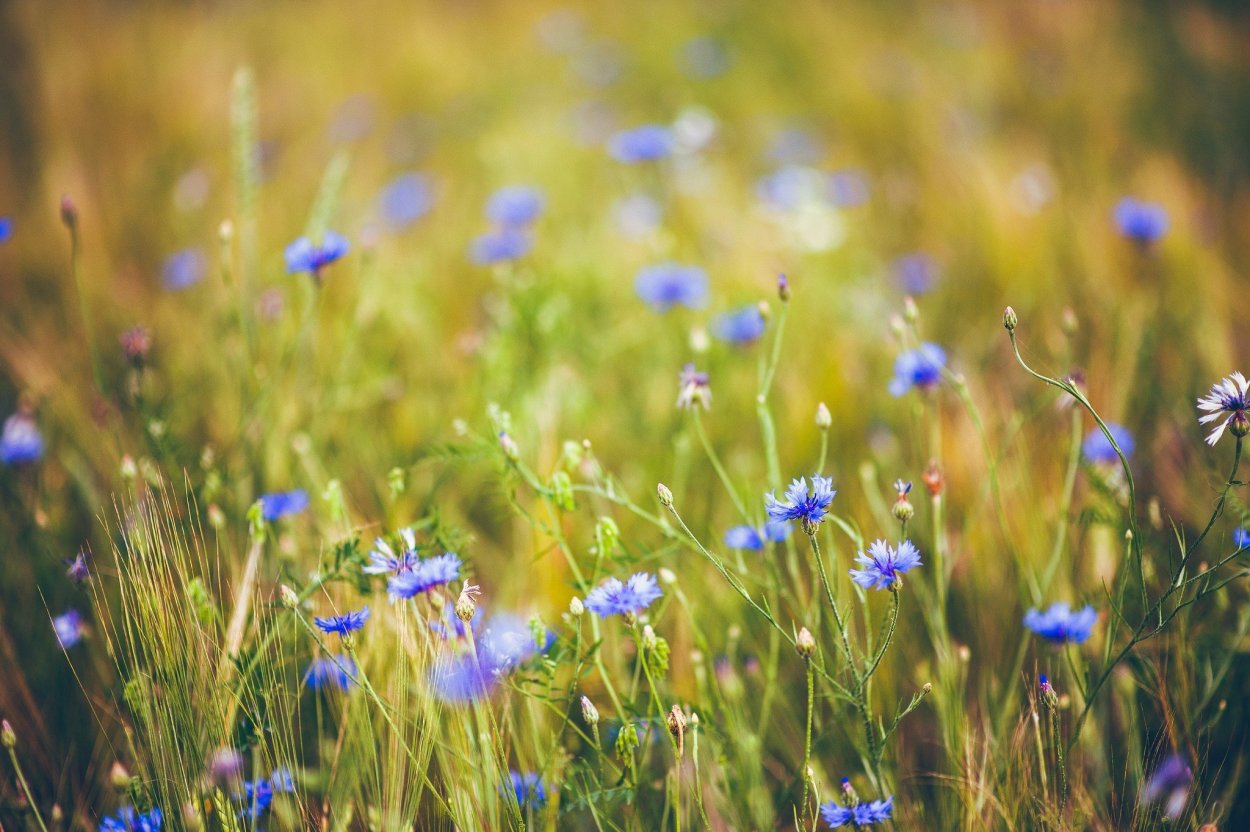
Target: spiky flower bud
(1010, 319)
(927, 688)
(805, 644)
(576, 607)
(8, 737)
(824, 419)
(466, 606)
(289, 599)
(589, 712)
(1239, 424)
(1049, 698)
(666, 495)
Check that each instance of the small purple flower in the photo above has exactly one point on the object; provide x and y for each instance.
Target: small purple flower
(69, 628)
(77, 569)
(383, 559)
(612, 597)
(1097, 449)
(283, 503)
(883, 564)
(1059, 624)
(425, 575)
(304, 255)
(528, 789)
(1230, 396)
(330, 671)
(128, 820)
(501, 245)
(20, 440)
(647, 143)
(859, 815)
(183, 269)
(694, 389)
(742, 326)
(666, 285)
(920, 368)
(406, 200)
(808, 506)
(344, 624)
(1142, 222)
(1241, 537)
(515, 205)
(915, 273)
(225, 766)
(1169, 782)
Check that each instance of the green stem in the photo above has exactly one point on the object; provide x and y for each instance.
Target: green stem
(717, 466)
(30, 798)
(807, 737)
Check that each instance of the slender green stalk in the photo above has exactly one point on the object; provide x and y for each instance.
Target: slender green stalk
(807, 737)
(719, 468)
(21, 782)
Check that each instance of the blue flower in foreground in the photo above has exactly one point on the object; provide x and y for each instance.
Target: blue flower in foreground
(615, 598)
(800, 503)
(128, 820)
(1096, 448)
(20, 440)
(742, 326)
(647, 143)
(1141, 222)
(460, 679)
(343, 624)
(749, 537)
(915, 273)
(508, 641)
(283, 503)
(528, 789)
(1169, 782)
(425, 575)
(183, 269)
(515, 205)
(327, 671)
(1241, 537)
(1060, 624)
(406, 200)
(6, 229)
(666, 285)
(1230, 396)
(883, 564)
(383, 559)
(859, 815)
(304, 255)
(258, 794)
(920, 368)
(500, 246)
(69, 628)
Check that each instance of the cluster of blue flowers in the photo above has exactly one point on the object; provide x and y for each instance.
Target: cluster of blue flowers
(1061, 624)
(283, 504)
(503, 645)
(512, 210)
(257, 795)
(128, 820)
(613, 597)
(667, 285)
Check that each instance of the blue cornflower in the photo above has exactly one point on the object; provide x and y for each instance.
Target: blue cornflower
(749, 537)
(383, 559)
(1230, 396)
(915, 272)
(6, 229)
(500, 246)
(425, 575)
(183, 268)
(742, 326)
(460, 679)
(343, 624)
(283, 503)
(848, 188)
(20, 440)
(1241, 537)
(1169, 782)
(1141, 222)
(258, 794)
(528, 789)
(1096, 448)
(666, 285)
(803, 504)
(508, 641)
(515, 205)
(69, 628)
(304, 255)
(612, 597)
(329, 671)
(406, 200)
(128, 820)
(883, 564)
(859, 815)
(647, 143)
(1060, 624)
(920, 368)
(77, 569)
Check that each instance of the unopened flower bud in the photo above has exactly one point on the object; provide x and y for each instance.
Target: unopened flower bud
(649, 640)
(1239, 424)
(8, 737)
(849, 791)
(69, 213)
(576, 607)
(136, 342)
(805, 644)
(783, 288)
(465, 605)
(1049, 698)
(129, 469)
(926, 689)
(667, 576)
(666, 496)
(589, 712)
(289, 599)
(933, 479)
(965, 653)
(225, 231)
(676, 722)
(1069, 321)
(1010, 319)
(824, 419)
(119, 776)
(509, 446)
(694, 720)
(903, 511)
(911, 312)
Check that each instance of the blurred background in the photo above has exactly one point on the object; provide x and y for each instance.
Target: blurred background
(968, 155)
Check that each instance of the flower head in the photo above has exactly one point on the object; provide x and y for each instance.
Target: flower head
(528, 789)
(742, 326)
(1097, 449)
(920, 368)
(915, 273)
(666, 285)
(883, 564)
(257, 795)
(77, 569)
(858, 814)
(343, 624)
(753, 539)
(500, 246)
(6, 229)
(1241, 537)
(183, 269)
(612, 597)
(136, 342)
(641, 144)
(1141, 222)
(128, 820)
(330, 671)
(283, 503)
(515, 205)
(406, 200)
(1169, 782)
(695, 389)
(69, 628)
(1232, 397)
(304, 255)
(808, 506)
(383, 559)
(1060, 624)
(20, 440)
(425, 575)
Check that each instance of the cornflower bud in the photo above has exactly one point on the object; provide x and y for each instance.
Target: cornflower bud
(677, 725)
(8, 737)
(466, 606)
(1010, 319)
(667, 576)
(1049, 698)
(576, 607)
(69, 213)
(589, 712)
(805, 644)
(509, 446)
(783, 288)
(933, 479)
(289, 599)
(666, 495)
(824, 419)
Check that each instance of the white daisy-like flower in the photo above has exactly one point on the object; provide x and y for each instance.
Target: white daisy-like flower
(1228, 400)
(385, 560)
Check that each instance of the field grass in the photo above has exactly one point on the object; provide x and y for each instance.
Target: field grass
(982, 260)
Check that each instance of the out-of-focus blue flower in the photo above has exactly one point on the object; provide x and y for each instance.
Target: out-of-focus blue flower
(304, 255)
(666, 285)
(128, 820)
(452, 627)
(515, 205)
(883, 564)
(257, 795)
(1169, 782)
(6, 229)
(848, 188)
(529, 790)
(612, 597)
(647, 143)
(808, 506)
(694, 390)
(915, 273)
(406, 200)
(343, 624)
(1229, 396)
(459, 679)
(791, 187)
(69, 628)
(330, 671)
(283, 503)
(20, 440)
(383, 559)
(425, 575)
(749, 537)
(1241, 537)
(77, 570)
(1142, 222)
(920, 368)
(742, 326)
(859, 815)
(1060, 624)
(637, 215)
(1096, 448)
(507, 641)
(500, 246)
(183, 268)
(704, 57)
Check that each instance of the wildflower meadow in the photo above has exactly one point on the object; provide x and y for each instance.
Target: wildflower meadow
(641, 417)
